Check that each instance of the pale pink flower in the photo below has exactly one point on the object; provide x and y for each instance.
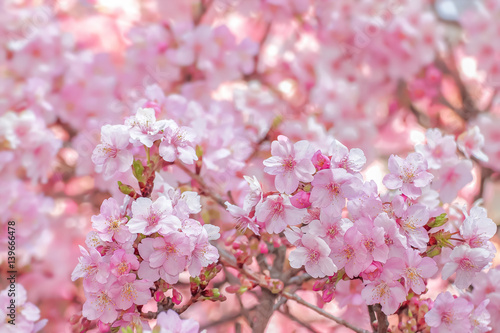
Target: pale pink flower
(477, 229)
(110, 223)
(243, 220)
(449, 315)
(386, 291)
(290, 164)
(451, 178)
(412, 223)
(92, 268)
(351, 160)
(392, 237)
(481, 318)
(409, 174)
(164, 257)
(330, 228)
(313, 255)
(121, 263)
(466, 262)
(144, 129)
(471, 143)
(178, 142)
(331, 187)
(438, 148)
(351, 254)
(254, 196)
(373, 240)
(100, 304)
(25, 318)
(170, 322)
(202, 253)
(277, 213)
(113, 155)
(128, 291)
(414, 269)
(149, 217)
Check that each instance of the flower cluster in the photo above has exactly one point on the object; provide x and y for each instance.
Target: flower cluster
(139, 248)
(343, 228)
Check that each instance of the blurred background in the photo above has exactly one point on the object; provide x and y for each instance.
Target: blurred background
(373, 74)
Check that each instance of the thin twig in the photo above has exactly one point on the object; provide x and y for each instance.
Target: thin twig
(322, 312)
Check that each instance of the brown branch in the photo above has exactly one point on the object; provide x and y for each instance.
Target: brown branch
(383, 323)
(373, 318)
(322, 312)
(226, 319)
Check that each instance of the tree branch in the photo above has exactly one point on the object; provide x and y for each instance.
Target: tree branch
(322, 312)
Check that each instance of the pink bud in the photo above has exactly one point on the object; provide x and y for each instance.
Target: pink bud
(320, 161)
(301, 200)
(153, 105)
(159, 296)
(373, 271)
(263, 248)
(232, 289)
(176, 296)
(104, 328)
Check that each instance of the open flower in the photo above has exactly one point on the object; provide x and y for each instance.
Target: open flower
(449, 314)
(290, 164)
(150, 217)
(111, 155)
(409, 174)
(467, 263)
(277, 213)
(313, 254)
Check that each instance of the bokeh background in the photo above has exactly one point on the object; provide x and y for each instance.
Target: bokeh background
(373, 74)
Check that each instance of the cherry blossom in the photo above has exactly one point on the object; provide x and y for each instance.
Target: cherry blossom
(112, 155)
(110, 224)
(471, 143)
(290, 164)
(409, 174)
(277, 213)
(449, 314)
(313, 254)
(150, 217)
(466, 262)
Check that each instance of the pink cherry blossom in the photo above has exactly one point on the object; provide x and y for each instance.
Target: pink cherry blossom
(330, 228)
(396, 242)
(351, 160)
(100, 304)
(449, 314)
(313, 255)
(92, 268)
(332, 187)
(243, 220)
(414, 269)
(277, 213)
(409, 174)
(202, 254)
(351, 254)
(164, 257)
(112, 155)
(480, 318)
(477, 229)
(438, 149)
(451, 178)
(110, 223)
(178, 142)
(471, 143)
(412, 223)
(466, 262)
(127, 291)
(27, 315)
(386, 291)
(301, 199)
(144, 129)
(320, 161)
(171, 322)
(121, 263)
(290, 164)
(149, 217)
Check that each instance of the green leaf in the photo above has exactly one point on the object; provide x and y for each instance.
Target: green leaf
(138, 170)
